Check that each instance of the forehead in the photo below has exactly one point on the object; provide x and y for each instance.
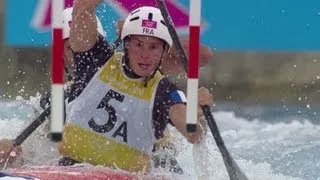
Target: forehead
(146, 39)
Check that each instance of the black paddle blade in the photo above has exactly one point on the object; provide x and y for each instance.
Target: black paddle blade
(233, 169)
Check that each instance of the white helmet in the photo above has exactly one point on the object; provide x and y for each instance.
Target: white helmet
(148, 21)
(67, 18)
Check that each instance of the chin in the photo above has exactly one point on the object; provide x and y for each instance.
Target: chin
(144, 74)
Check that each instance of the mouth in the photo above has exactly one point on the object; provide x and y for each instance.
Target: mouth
(144, 66)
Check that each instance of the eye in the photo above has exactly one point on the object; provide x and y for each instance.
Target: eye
(139, 44)
(154, 46)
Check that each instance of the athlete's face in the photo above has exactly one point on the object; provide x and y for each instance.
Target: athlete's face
(144, 53)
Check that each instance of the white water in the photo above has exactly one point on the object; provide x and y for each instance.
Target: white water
(282, 150)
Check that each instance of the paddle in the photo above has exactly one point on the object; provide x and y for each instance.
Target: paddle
(31, 128)
(233, 169)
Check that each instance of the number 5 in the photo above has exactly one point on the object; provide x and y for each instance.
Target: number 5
(111, 111)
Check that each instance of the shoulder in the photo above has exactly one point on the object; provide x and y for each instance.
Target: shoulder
(169, 91)
(99, 52)
(166, 86)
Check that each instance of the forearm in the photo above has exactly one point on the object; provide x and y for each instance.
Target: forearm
(83, 33)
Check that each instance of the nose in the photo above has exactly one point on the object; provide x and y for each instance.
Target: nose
(145, 54)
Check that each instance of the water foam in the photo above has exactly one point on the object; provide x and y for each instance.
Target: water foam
(263, 150)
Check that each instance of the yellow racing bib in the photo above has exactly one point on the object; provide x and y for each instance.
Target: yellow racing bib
(110, 123)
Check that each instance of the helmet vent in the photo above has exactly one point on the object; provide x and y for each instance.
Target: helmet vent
(135, 18)
(163, 22)
(150, 16)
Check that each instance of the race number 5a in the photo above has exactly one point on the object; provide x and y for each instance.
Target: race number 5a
(109, 125)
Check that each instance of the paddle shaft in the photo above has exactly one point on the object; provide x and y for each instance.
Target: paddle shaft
(31, 128)
(234, 171)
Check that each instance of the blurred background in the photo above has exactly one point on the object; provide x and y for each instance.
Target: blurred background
(266, 51)
(265, 76)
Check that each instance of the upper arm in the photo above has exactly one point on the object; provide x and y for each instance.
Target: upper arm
(167, 96)
(175, 100)
(177, 114)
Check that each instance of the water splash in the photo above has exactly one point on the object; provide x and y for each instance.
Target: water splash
(276, 150)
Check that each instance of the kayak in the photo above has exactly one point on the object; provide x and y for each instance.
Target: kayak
(85, 171)
(72, 173)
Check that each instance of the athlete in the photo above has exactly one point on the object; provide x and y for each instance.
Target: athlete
(120, 102)
(158, 123)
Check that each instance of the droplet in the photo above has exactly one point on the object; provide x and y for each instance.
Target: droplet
(308, 106)
(13, 154)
